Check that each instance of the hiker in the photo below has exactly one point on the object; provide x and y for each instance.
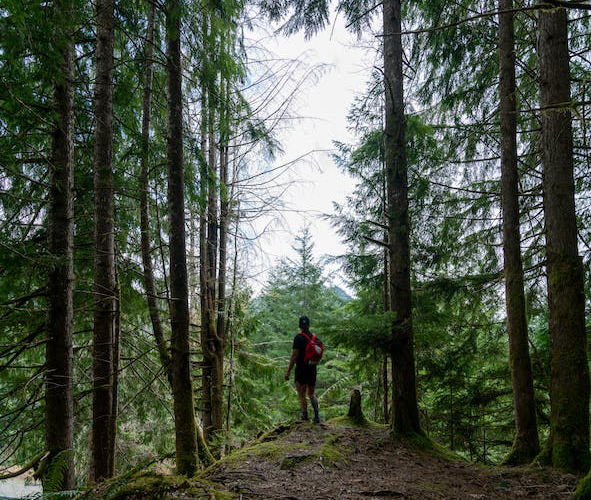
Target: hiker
(306, 353)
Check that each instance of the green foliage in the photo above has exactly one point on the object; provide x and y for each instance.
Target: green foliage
(262, 397)
(428, 445)
(56, 495)
(149, 484)
(584, 488)
(453, 148)
(53, 477)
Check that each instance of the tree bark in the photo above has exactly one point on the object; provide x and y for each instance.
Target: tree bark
(149, 281)
(569, 388)
(216, 357)
(206, 364)
(355, 406)
(217, 396)
(184, 410)
(115, 376)
(385, 383)
(405, 415)
(104, 261)
(59, 414)
(230, 332)
(526, 444)
(386, 292)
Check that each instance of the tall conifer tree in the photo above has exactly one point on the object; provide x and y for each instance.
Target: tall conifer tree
(405, 411)
(59, 425)
(526, 444)
(184, 407)
(569, 390)
(104, 251)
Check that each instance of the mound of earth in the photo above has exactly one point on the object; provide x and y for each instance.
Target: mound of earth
(341, 460)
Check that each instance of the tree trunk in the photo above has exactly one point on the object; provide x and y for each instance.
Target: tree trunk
(386, 293)
(405, 416)
(59, 428)
(217, 396)
(184, 410)
(569, 389)
(385, 383)
(231, 306)
(149, 281)
(526, 444)
(355, 411)
(203, 280)
(216, 359)
(115, 376)
(104, 261)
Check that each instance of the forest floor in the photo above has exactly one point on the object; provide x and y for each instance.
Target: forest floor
(339, 460)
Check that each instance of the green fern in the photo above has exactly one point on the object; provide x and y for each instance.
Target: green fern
(53, 495)
(53, 479)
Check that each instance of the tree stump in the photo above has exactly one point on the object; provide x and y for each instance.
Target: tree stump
(355, 406)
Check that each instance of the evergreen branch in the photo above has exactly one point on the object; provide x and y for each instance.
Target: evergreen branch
(549, 4)
(377, 242)
(569, 4)
(378, 224)
(29, 465)
(363, 14)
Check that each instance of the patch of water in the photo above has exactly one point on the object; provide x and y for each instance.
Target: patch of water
(18, 488)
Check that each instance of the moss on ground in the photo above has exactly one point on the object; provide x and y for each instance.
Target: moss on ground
(266, 446)
(293, 461)
(346, 421)
(275, 433)
(331, 453)
(153, 486)
(425, 444)
(584, 488)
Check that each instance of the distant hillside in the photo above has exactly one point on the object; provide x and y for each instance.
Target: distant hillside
(344, 296)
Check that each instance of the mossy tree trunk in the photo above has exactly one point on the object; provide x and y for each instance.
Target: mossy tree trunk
(184, 407)
(405, 411)
(355, 411)
(104, 251)
(217, 399)
(148, 275)
(569, 389)
(206, 364)
(213, 236)
(584, 488)
(526, 443)
(59, 414)
(215, 348)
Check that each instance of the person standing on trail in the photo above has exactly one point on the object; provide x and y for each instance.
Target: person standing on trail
(306, 353)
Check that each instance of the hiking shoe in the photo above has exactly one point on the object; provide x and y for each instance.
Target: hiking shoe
(316, 420)
(305, 416)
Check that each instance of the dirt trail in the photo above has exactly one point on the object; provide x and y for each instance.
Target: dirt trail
(336, 460)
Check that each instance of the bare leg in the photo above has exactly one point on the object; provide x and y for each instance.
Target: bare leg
(301, 388)
(314, 402)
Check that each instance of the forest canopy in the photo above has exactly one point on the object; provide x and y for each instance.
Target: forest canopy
(141, 160)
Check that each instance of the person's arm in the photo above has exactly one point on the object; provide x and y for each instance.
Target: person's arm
(294, 355)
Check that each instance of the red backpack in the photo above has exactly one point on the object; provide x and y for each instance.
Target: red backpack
(314, 350)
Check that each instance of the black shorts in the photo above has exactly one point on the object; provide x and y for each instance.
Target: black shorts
(306, 374)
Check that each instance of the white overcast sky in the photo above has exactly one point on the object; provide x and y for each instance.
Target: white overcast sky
(324, 106)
